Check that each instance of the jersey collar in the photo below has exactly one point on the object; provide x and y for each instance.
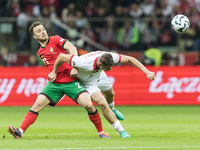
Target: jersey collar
(95, 64)
(46, 43)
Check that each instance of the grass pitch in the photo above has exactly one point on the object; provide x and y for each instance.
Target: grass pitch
(69, 128)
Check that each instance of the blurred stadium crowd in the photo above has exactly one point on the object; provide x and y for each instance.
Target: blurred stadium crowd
(129, 25)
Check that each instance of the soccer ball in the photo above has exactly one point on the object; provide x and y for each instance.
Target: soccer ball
(180, 23)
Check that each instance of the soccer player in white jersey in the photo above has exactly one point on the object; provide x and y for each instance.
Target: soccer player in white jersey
(105, 85)
(90, 68)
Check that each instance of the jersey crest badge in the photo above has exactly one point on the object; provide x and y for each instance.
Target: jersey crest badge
(51, 50)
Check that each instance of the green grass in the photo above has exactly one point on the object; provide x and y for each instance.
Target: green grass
(68, 128)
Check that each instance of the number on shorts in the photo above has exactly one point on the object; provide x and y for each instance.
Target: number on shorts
(79, 85)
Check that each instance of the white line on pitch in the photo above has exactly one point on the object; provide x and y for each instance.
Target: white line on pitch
(132, 147)
(110, 132)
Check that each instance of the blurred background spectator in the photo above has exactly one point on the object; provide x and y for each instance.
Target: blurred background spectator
(3, 8)
(89, 32)
(68, 12)
(108, 35)
(148, 32)
(23, 20)
(4, 54)
(119, 25)
(196, 45)
(152, 56)
(80, 20)
(90, 9)
(32, 61)
(128, 37)
(118, 15)
(197, 62)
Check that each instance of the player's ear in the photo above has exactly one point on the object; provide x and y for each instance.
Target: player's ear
(99, 64)
(34, 36)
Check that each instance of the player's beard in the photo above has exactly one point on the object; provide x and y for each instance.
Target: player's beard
(42, 40)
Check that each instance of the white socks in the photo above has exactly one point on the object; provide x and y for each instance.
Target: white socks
(111, 105)
(100, 132)
(22, 132)
(118, 126)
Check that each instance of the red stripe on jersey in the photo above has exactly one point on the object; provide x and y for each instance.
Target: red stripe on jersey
(95, 64)
(119, 59)
(70, 62)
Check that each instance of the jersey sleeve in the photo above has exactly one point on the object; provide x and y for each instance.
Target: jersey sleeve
(59, 41)
(77, 61)
(116, 57)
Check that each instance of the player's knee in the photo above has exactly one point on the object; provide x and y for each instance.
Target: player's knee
(89, 107)
(40, 103)
(109, 95)
(103, 105)
(37, 107)
(112, 94)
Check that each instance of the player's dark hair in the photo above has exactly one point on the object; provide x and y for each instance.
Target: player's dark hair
(35, 24)
(106, 59)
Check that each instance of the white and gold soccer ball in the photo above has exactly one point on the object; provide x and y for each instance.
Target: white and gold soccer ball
(180, 23)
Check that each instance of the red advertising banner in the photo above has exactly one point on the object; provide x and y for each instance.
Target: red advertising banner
(19, 86)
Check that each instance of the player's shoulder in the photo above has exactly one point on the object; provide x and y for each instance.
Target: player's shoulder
(57, 38)
(54, 37)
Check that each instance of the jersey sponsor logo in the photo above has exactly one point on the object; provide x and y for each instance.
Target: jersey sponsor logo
(52, 51)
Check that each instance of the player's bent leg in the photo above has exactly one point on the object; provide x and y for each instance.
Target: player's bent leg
(30, 117)
(109, 95)
(108, 114)
(101, 102)
(40, 103)
(85, 101)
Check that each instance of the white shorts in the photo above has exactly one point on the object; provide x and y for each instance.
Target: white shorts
(102, 85)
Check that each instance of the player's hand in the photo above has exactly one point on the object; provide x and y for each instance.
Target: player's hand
(52, 76)
(151, 75)
(74, 72)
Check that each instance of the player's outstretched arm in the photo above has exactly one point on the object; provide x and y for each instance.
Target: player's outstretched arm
(136, 63)
(59, 61)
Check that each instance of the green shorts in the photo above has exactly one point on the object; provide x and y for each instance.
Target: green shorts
(54, 92)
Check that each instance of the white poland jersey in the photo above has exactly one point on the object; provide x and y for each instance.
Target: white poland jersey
(88, 73)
